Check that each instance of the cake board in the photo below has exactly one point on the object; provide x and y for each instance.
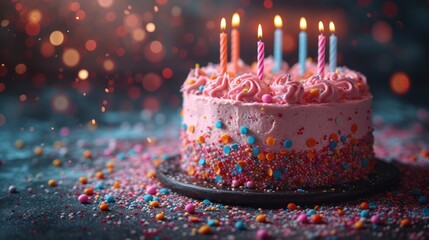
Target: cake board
(384, 177)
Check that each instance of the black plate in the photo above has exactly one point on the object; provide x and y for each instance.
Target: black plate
(384, 177)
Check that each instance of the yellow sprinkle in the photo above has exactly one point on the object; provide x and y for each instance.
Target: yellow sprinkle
(191, 128)
(191, 81)
(205, 229)
(261, 218)
(57, 163)
(160, 216)
(19, 144)
(52, 183)
(154, 204)
(314, 91)
(245, 90)
(38, 151)
(270, 172)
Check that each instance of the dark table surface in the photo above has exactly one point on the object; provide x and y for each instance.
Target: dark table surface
(127, 153)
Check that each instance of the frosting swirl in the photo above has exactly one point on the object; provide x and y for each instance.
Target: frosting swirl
(285, 87)
(247, 88)
(290, 91)
(321, 91)
(192, 84)
(217, 87)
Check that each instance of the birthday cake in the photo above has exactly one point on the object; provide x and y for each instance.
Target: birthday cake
(287, 131)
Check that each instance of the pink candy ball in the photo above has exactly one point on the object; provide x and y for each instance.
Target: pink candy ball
(262, 234)
(267, 98)
(302, 218)
(235, 183)
(190, 208)
(83, 198)
(250, 184)
(375, 219)
(151, 190)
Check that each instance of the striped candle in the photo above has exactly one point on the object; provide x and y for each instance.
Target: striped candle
(235, 42)
(223, 47)
(332, 48)
(261, 52)
(302, 45)
(321, 51)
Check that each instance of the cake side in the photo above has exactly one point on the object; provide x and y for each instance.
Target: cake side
(276, 146)
(287, 131)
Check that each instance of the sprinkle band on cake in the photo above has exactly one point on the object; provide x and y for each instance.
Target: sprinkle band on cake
(284, 132)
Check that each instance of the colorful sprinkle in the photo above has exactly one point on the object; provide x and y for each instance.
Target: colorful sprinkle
(219, 124)
(287, 143)
(261, 218)
(270, 141)
(244, 130)
(104, 207)
(205, 229)
(251, 140)
(190, 208)
(83, 198)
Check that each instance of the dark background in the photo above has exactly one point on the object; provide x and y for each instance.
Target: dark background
(143, 50)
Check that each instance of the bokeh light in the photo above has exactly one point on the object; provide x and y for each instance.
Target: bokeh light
(382, 32)
(108, 65)
(71, 57)
(20, 68)
(3, 70)
(60, 103)
(400, 83)
(56, 38)
(90, 45)
(105, 3)
(4, 23)
(34, 16)
(138, 34)
(83, 74)
(151, 82)
(47, 50)
(150, 27)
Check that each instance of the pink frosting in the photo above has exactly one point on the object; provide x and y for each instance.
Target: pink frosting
(290, 91)
(327, 91)
(286, 86)
(192, 83)
(217, 87)
(247, 88)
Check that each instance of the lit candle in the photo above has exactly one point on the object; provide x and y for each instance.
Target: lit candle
(223, 47)
(261, 52)
(332, 48)
(321, 51)
(235, 42)
(197, 69)
(278, 43)
(302, 45)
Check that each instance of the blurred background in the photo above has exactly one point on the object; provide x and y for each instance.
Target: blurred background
(83, 63)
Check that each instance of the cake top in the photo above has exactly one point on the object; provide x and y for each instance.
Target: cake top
(284, 87)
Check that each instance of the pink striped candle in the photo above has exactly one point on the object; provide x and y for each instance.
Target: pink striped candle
(321, 51)
(261, 52)
(223, 47)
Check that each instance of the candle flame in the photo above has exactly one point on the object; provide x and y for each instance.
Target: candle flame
(222, 24)
(235, 20)
(321, 28)
(278, 21)
(303, 24)
(332, 27)
(259, 31)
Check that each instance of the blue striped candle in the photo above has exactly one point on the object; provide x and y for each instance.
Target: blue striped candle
(302, 55)
(332, 48)
(278, 44)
